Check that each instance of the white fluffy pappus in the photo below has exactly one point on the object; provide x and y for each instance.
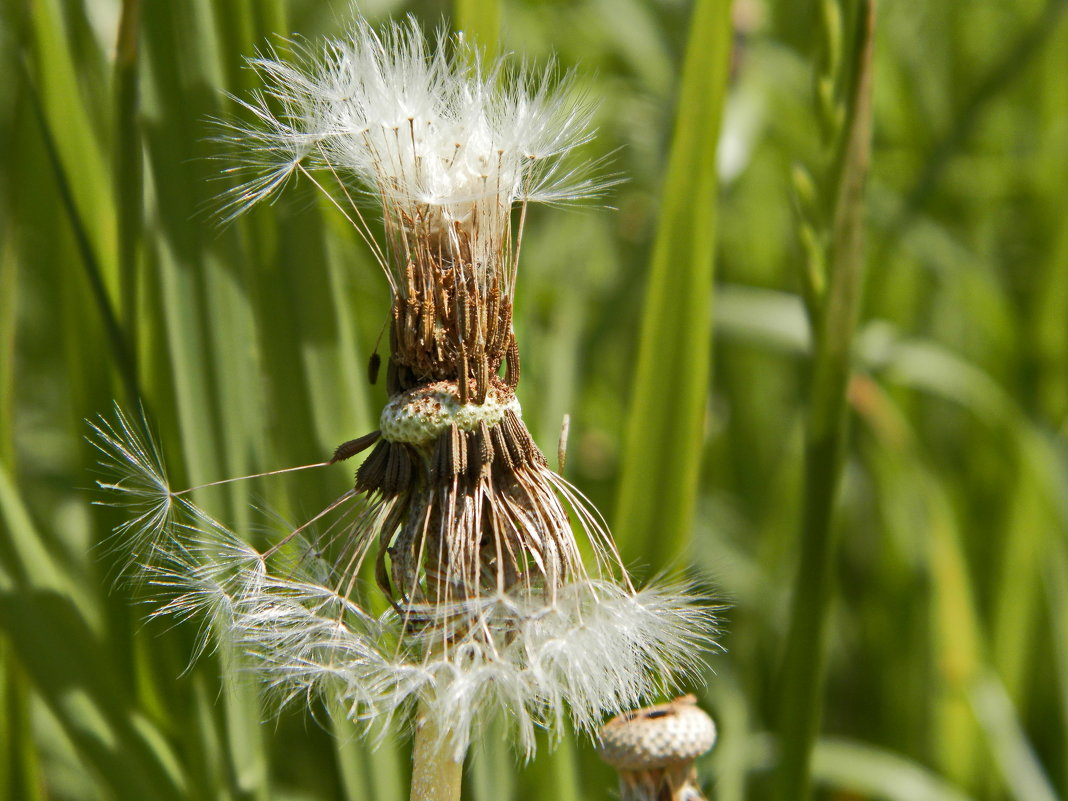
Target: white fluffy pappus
(436, 136)
(595, 648)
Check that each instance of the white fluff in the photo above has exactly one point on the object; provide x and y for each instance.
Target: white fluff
(427, 132)
(597, 648)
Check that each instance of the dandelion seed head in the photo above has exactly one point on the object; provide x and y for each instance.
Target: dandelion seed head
(654, 749)
(506, 595)
(443, 141)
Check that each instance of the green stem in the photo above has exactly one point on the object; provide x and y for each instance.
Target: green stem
(436, 774)
(801, 681)
(128, 177)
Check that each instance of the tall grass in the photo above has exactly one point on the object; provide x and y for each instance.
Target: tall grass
(941, 605)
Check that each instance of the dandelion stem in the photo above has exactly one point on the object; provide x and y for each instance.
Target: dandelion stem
(436, 773)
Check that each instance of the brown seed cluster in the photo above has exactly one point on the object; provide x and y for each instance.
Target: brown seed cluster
(461, 499)
(450, 328)
(452, 297)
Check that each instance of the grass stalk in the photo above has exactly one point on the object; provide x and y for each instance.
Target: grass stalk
(128, 170)
(8, 331)
(801, 679)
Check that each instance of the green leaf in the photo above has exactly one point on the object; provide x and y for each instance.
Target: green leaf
(1014, 756)
(666, 421)
(71, 671)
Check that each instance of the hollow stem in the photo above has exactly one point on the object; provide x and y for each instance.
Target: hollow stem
(436, 774)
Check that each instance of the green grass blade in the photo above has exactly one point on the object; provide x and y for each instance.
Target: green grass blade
(848, 768)
(666, 418)
(23, 554)
(8, 297)
(1019, 766)
(876, 774)
(1025, 549)
(128, 180)
(1057, 592)
(20, 763)
(95, 712)
(96, 267)
(552, 775)
(956, 642)
(78, 150)
(491, 767)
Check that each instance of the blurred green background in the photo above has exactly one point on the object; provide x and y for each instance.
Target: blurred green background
(947, 653)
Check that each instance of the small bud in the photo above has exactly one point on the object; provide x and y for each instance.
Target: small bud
(654, 750)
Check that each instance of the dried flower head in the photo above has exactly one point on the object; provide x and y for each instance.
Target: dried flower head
(453, 513)
(447, 147)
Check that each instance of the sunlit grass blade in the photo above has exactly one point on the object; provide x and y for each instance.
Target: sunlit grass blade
(78, 150)
(666, 417)
(23, 554)
(95, 267)
(1017, 615)
(877, 774)
(207, 327)
(956, 643)
(1020, 768)
(850, 767)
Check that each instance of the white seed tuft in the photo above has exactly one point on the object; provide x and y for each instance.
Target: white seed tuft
(590, 647)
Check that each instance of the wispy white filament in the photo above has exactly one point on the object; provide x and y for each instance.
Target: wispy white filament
(596, 648)
(436, 136)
